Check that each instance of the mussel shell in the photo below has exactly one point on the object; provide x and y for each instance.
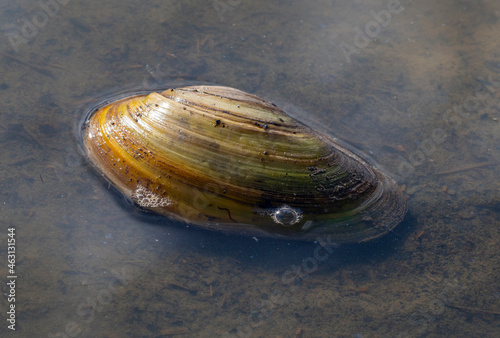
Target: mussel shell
(224, 159)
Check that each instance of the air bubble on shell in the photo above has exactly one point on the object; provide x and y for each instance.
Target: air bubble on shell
(286, 215)
(148, 199)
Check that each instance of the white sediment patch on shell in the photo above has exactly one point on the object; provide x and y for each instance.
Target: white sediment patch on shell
(148, 199)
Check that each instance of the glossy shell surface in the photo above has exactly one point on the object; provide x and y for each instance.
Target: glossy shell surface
(223, 159)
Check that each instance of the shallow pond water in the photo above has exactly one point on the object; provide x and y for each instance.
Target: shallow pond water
(414, 84)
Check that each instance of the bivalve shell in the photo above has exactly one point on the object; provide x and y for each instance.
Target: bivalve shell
(224, 159)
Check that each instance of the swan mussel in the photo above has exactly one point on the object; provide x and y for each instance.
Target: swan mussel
(224, 159)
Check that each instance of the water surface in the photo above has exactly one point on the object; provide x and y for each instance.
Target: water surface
(414, 85)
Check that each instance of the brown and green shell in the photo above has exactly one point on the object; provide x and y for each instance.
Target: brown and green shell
(223, 159)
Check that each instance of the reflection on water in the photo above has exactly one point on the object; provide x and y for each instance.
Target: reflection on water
(413, 84)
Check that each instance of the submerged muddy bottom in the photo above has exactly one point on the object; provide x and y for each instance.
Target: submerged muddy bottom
(419, 94)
